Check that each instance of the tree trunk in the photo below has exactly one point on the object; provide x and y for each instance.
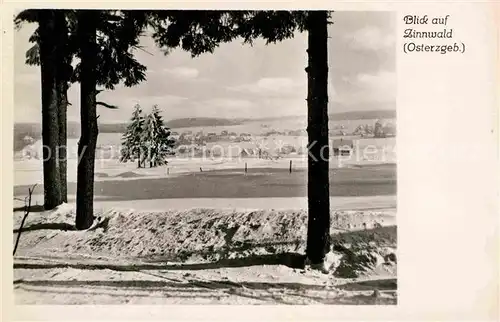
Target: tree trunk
(318, 230)
(50, 126)
(63, 142)
(88, 115)
(62, 78)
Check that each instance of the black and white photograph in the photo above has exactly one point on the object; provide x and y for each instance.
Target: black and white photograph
(204, 157)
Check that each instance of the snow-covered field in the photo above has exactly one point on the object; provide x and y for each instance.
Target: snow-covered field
(29, 171)
(242, 249)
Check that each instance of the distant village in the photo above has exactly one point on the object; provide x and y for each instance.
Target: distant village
(197, 144)
(378, 130)
(201, 138)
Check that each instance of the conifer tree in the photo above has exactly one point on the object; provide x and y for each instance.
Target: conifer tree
(378, 130)
(157, 137)
(86, 32)
(106, 59)
(132, 145)
(50, 126)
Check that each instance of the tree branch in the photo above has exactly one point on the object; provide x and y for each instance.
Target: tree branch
(107, 105)
(142, 49)
(26, 212)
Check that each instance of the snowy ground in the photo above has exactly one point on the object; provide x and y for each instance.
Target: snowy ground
(380, 203)
(238, 250)
(29, 171)
(265, 284)
(202, 256)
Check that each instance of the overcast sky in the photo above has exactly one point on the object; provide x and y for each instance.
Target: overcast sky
(240, 80)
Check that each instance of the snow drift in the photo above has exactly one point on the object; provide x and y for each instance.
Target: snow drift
(362, 241)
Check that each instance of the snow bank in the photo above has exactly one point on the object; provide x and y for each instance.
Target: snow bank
(362, 241)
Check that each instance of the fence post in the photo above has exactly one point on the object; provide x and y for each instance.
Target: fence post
(246, 169)
(290, 166)
(168, 171)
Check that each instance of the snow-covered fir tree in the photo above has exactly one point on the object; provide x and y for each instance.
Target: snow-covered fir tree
(132, 140)
(157, 139)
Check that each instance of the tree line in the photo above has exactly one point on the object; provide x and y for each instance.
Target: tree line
(95, 48)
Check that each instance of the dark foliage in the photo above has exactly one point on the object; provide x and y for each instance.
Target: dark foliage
(199, 32)
(118, 33)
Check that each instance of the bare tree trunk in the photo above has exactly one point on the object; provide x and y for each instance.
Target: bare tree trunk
(318, 230)
(88, 115)
(62, 89)
(63, 153)
(50, 125)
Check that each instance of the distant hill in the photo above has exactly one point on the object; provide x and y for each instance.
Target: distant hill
(342, 116)
(35, 131)
(112, 127)
(202, 121)
(363, 115)
(213, 121)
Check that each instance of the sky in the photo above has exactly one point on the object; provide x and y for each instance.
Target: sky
(241, 81)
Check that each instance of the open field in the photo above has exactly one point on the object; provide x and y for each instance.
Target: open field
(355, 184)
(231, 183)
